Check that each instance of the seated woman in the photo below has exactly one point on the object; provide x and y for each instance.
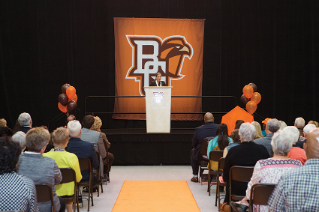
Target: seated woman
(247, 153)
(295, 152)
(271, 169)
(236, 141)
(218, 143)
(20, 138)
(17, 192)
(64, 159)
(258, 133)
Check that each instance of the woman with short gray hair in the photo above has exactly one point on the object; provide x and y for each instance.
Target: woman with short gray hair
(20, 138)
(270, 170)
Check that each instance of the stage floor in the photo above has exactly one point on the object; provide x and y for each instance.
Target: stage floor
(136, 147)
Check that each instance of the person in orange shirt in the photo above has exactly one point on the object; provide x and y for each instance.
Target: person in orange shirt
(295, 152)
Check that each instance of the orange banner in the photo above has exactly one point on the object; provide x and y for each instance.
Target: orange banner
(145, 46)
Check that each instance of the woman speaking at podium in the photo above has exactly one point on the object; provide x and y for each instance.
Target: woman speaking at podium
(158, 81)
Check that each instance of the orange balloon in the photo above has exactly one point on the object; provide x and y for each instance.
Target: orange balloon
(70, 92)
(256, 97)
(251, 107)
(248, 91)
(63, 109)
(74, 98)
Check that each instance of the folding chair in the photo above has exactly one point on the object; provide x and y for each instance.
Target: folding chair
(214, 156)
(100, 183)
(260, 194)
(203, 161)
(221, 164)
(68, 175)
(45, 194)
(240, 174)
(85, 164)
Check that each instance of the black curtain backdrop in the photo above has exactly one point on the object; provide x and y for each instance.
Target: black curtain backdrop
(46, 43)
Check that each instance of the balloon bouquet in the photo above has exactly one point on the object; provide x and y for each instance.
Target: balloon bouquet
(250, 97)
(67, 99)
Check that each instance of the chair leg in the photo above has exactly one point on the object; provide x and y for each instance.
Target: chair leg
(217, 190)
(208, 183)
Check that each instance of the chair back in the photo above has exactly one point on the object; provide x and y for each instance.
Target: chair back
(215, 155)
(203, 148)
(240, 174)
(221, 164)
(44, 194)
(68, 175)
(260, 194)
(85, 164)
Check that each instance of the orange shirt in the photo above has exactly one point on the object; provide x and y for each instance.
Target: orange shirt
(298, 154)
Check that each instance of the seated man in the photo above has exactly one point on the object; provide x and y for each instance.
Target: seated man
(41, 170)
(25, 122)
(81, 149)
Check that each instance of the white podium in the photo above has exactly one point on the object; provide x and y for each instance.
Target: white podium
(158, 109)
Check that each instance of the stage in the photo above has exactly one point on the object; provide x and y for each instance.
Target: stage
(136, 147)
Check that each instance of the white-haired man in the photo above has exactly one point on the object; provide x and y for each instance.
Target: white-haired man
(300, 124)
(25, 122)
(80, 148)
(272, 126)
(306, 131)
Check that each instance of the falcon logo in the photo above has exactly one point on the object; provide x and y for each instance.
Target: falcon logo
(151, 54)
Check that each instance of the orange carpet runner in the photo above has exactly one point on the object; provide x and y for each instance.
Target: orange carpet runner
(153, 196)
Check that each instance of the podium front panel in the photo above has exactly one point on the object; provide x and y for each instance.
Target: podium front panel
(158, 109)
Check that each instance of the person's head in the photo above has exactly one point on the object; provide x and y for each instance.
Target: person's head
(70, 118)
(293, 132)
(97, 124)
(282, 125)
(265, 122)
(88, 121)
(235, 136)
(247, 132)
(312, 144)
(74, 128)
(158, 76)
(299, 122)
(258, 133)
(314, 122)
(308, 128)
(9, 154)
(25, 119)
(5, 131)
(17, 126)
(37, 138)
(60, 137)
(222, 136)
(3, 122)
(238, 123)
(281, 143)
(273, 125)
(20, 138)
(208, 117)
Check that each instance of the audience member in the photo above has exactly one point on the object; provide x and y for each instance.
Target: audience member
(282, 125)
(81, 149)
(298, 189)
(17, 126)
(42, 170)
(247, 153)
(303, 139)
(270, 170)
(70, 118)
(264, 126)
(64, 159)
(314, 122)
(20, 138)
(218, 143)
(3, 123)
(272, 126)
(93, 136)
(238, 123)
(300, 123)
(109, 156)
(25, 122)
(5, 131)
(17, 192)
(295, 152)
(201, 132)
(236, 141)
(258, 133)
